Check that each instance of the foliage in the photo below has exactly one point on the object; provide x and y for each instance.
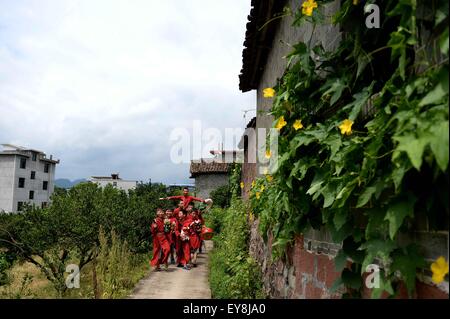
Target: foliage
(233, 272)
(214, 219)
(235, 180)
(114, 265)
(22, 291)
(221, 196)
(374, 181)
(68, 229)
(5, 264)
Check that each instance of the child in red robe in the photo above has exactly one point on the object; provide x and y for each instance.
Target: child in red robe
(176, 210)
(195, 229)
(189, 210)
(184, 249)
(209, 203)
(161, 247)
(156, 246)
(172, 238)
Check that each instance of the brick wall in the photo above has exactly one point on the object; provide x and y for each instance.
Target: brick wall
(308, 269)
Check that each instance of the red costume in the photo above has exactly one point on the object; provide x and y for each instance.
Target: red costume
(184, 251)
(160, 243)
(202, 220)
(186, 199)
(173, 228)
(201, 217)
(195, 229)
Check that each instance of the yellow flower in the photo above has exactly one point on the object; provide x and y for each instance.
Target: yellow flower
(308, 7)
(346, 127)
(268, 154)
(269, 178)
(258, 195)
(281, 123)
(251, 217)
(253, 184)
(266, 171)
(439, 269)
(355, 2)
(242, 184)
(262, 188)
(298, 125)
(269, 92)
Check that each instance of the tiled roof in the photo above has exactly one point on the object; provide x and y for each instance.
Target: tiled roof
(207, 167)
(258, 40)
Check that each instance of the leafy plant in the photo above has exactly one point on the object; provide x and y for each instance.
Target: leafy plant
(221, 196)
(233, 272)
(68, 230)
(371, 155)
(5, 265)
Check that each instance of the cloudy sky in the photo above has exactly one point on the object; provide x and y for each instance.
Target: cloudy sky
(101, 84)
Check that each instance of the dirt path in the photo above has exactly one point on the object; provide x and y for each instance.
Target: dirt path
(177, 283)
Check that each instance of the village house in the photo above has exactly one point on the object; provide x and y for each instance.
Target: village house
(26, 176)
(211, 173)
(115, 181)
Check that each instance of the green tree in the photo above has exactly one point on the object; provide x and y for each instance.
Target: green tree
(68, 230)
(221, 196)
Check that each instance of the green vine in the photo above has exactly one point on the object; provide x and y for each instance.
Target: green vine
(363, 146)
(234, 180)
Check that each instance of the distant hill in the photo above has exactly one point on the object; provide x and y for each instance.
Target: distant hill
(67, 183)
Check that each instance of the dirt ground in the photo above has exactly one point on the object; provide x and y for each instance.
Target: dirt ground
(177, 283)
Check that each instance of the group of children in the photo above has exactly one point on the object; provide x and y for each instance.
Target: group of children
(177, 232)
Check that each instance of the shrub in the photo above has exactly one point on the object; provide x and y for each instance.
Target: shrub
(4, 266)
(221, 196)
(233, 272)
(68, 230)
(114, 264)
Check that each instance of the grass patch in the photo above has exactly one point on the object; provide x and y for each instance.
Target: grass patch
(26, 281)
(233, 272)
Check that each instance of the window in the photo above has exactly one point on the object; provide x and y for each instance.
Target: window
(21, 182)
(19, 206)
(44, 204)
(45, 185)
(33, 175)
(23, 162)
(115, 184)
(46, 168)
(33, 157)
(31, 195)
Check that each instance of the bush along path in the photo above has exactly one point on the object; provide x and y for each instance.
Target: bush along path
(177, 283)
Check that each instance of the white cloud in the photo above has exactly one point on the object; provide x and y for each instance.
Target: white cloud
(101, 84)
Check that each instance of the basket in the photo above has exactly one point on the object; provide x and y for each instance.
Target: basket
(207, 233)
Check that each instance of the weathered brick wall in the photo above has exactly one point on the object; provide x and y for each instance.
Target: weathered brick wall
(308, 271)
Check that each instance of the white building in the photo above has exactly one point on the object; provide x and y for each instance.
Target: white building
(115, 181)
(26, 176)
